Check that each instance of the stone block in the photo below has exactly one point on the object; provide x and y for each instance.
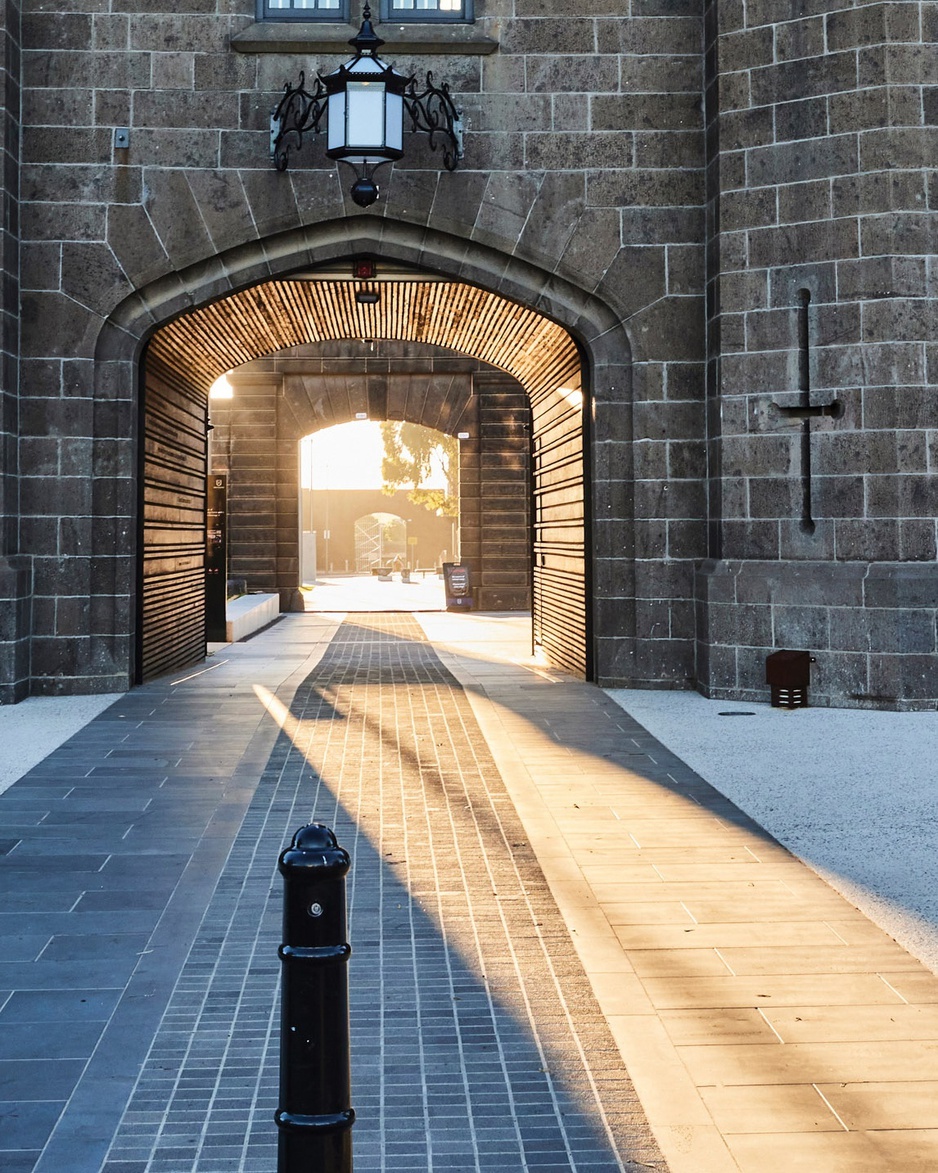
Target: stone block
(224, 71)
(804, 201)
(883, 192)
(171, 31)
(84, 70)
(672, 421)
(48, 31)
(917, 540)
(806, 77)
(839, 496)
(717, 673)
(547, 35)
(108, 31)
(919, 682)
(569, 151)
(663, 34)
(750, 539)
(746, 49)
(800, 38)
(651, 187)
(180, 108)
(585, 74)
(901, 585)
(673, 74)
(651, 539)
(594, 239)
(91, 274)
(872, 25)
(911, 234)
(56, 107)
(173, 72)
(39, 265)
(53, 326)
(686, 538)
(50, 221)
(748, 209)
(860, 540)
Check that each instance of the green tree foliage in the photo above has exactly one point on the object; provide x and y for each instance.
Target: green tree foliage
(409, 454)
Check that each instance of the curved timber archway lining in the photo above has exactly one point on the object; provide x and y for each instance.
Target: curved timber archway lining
(186, 356)
(278, 314)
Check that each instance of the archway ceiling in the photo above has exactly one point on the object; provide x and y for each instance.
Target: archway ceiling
(207, 342)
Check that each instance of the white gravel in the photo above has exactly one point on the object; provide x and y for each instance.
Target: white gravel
(35, 727)
(852, 793)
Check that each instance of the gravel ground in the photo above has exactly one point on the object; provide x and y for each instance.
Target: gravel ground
(35, 727)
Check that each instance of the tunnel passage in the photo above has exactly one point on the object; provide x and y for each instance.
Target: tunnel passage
(185, 356)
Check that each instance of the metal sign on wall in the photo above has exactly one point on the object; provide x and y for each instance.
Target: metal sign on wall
(216, 557)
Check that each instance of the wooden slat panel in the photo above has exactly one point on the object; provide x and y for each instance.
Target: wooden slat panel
(560, 597)
(172, 608)
(209, 341)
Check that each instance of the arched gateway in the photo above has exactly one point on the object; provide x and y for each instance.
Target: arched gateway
(523, 324)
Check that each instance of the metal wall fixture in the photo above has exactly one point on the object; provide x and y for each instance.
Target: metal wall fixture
(365, 101)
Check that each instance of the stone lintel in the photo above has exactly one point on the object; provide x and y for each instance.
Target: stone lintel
(437, 40)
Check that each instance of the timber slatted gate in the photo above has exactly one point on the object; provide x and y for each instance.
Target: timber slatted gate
(559, 604)
(172, 606)
(199, 346)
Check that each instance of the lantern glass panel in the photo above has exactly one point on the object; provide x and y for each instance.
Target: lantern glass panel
(395, 122)
(365, 114)
(336, 119)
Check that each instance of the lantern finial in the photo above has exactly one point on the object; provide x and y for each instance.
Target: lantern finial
(366, 40)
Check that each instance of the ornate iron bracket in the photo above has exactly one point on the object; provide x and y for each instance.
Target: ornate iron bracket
(299, 112)
(433, 112)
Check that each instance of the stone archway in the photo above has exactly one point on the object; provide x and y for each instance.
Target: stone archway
(611, 578)
(185, 356)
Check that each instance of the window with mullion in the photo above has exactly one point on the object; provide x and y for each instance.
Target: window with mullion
(427, 10)
(334, 10)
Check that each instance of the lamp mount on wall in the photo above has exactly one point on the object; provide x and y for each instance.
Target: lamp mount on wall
(364, 102)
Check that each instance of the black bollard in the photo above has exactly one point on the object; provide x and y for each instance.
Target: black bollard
(315, 1116)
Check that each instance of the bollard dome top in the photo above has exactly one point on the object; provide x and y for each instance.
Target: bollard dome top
(315, 848)
(315, 837)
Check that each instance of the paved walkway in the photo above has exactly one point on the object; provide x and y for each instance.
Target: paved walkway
(534, 943)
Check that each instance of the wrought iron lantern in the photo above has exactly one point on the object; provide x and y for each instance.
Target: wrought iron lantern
(365, 102)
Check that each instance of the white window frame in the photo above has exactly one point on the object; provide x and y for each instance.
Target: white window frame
(393, 15)
(339, 15)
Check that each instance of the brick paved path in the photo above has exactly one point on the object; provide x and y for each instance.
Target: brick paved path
(477, 1044)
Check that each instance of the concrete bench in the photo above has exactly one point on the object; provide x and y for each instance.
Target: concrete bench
(249, 613)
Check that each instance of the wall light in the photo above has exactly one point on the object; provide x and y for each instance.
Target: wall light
(221, 388)
(364, 102)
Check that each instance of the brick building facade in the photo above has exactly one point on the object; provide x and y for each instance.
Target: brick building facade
(722, 208)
